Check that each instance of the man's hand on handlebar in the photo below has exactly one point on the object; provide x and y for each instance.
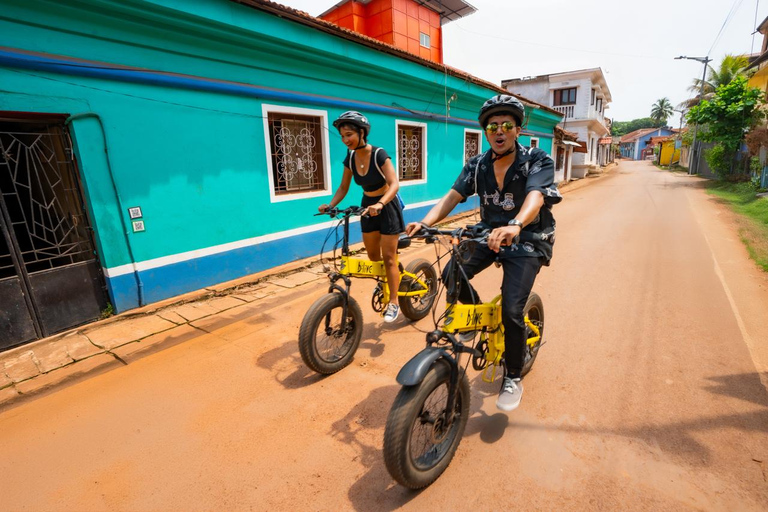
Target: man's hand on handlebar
(413, 228)
(505, 235)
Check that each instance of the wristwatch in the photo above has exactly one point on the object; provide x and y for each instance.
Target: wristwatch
(515, 222)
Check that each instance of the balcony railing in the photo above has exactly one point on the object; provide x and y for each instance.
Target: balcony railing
(566, 110)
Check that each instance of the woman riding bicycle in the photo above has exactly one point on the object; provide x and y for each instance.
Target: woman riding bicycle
(382, 221)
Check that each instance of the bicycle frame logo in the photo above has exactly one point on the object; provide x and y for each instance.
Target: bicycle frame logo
(364, 268)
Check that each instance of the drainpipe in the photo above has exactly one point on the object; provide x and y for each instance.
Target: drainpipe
(126, 233)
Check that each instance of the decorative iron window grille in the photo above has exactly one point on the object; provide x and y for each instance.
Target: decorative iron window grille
(6, 261)
(471, 145)
(410, 143)
(297, 154)
(42, 201)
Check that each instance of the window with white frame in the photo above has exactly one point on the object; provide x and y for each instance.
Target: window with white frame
(297, 152)
(564, 96)
(411, 151)
(472, 143)
(424, 39)
(534, 142)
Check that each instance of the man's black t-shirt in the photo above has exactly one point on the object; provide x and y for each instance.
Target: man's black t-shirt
(532, 170)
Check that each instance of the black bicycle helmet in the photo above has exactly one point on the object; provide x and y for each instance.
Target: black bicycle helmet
(502, 104)
(355, 119)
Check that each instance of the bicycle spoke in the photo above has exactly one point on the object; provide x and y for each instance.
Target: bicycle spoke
(429, 439)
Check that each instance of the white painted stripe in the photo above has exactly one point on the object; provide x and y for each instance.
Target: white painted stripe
(218, 249)
(421, 204)
(748, 341)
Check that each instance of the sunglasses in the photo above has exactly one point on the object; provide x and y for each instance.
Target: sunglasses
(506, 127)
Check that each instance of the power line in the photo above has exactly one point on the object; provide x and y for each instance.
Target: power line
(731, 13)
(752, 46)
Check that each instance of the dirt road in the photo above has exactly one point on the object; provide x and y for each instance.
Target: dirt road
(646, 396)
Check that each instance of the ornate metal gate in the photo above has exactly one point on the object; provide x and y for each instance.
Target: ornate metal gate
(50, 278)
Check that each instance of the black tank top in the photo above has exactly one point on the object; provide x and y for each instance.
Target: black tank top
(374, 178)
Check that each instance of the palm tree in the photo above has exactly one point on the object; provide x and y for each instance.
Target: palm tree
(661, 110)
(730, 67)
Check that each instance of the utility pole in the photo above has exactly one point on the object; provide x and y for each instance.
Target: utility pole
(695, 156)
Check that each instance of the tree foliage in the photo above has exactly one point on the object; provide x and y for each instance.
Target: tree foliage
(619, 128)
(725, 119)
(734, 108)
(732, 66)
(661, 111)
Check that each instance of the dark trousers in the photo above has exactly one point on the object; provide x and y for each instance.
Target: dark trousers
(516, 285)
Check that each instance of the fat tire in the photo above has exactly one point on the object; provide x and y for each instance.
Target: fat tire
(314, 317)
(405, 412)
(409, 310)
(534, 303)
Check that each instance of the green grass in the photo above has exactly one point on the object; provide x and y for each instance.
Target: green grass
(743, 198)
(753, 227)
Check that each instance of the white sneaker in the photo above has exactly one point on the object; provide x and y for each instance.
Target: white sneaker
(510, 395)
(391, 313)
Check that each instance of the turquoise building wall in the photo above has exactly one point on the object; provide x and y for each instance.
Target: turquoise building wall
(164, 101)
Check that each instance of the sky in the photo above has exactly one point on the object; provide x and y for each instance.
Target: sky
(635, 43)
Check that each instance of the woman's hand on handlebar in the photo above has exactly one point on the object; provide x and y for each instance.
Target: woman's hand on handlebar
(373, 210)
(323, 208)
(504, 235)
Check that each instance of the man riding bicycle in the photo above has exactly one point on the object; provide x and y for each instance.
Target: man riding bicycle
(516, 190)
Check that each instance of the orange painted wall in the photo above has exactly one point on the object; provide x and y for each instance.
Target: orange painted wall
(396, 22)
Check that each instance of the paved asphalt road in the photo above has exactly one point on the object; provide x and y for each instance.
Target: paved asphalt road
(646, 396)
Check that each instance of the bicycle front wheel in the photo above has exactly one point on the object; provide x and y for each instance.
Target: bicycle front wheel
(419, 441)
(324, 345)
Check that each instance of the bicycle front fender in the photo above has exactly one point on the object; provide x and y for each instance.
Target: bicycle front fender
(416, 369)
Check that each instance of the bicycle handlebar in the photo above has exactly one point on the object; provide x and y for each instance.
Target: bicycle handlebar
(478, 233)
(475, 232)
(346, 212)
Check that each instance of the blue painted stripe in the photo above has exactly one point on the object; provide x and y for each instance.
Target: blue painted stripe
(186, 276)
(63, 65)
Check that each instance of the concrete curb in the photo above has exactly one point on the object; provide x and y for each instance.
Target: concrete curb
(65, 358)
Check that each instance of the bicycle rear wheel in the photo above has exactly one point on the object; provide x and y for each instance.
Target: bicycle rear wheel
(418, 442)
(416, 307)
(324, 346)
(534, 310)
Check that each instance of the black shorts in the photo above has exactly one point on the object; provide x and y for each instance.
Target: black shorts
(388, 222)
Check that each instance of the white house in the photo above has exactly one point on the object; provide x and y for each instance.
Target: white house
(582, 97)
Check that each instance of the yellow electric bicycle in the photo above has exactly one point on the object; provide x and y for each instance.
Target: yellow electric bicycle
(332, 327)
(431, 409)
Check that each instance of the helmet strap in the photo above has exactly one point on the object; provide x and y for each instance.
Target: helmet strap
(498, 156)
(361, 139)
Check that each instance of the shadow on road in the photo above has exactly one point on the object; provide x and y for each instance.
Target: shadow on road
(678, 439)
(363, 429)
(745, 386)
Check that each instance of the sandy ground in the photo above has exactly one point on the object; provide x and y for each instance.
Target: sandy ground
(646, 396)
